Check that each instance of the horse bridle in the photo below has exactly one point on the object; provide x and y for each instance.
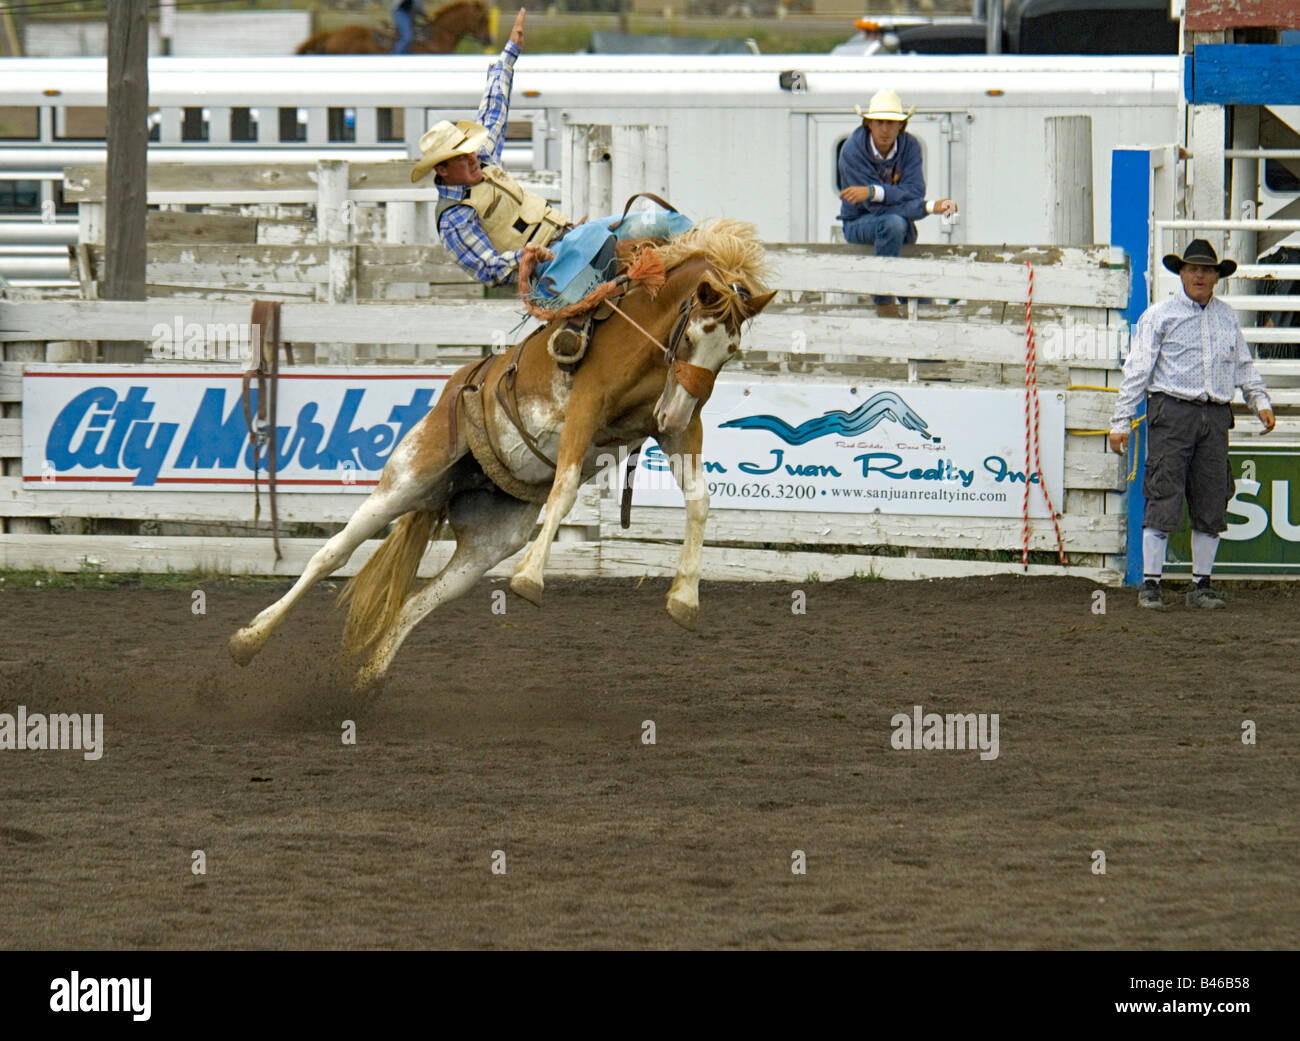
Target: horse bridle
(694, 379)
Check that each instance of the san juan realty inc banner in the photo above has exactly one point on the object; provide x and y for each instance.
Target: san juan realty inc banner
(781, 445)
(850, 448)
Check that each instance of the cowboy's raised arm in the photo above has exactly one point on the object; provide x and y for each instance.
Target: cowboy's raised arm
(494, 110)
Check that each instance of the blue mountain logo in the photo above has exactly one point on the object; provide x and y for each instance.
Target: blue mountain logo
(885, 405)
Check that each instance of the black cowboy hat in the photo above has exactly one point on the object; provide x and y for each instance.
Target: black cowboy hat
(1199, 251)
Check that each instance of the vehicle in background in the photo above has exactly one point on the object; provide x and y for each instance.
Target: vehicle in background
(1029, 27)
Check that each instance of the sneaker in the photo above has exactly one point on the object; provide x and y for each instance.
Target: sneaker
(1203, 595)
(1149, 596)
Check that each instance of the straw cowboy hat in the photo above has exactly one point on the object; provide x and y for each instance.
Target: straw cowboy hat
(445, 141)
(1199, 251)
(885, 104)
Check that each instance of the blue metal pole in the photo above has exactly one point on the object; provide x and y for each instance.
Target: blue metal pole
(1131, 173)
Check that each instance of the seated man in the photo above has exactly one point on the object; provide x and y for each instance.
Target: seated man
(485, 219)
(403, 13)
(884, 193)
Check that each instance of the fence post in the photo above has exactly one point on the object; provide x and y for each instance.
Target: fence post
(1243, 246)
(399, 230)
(127, 174)
(587, 157)
(334, 220)
(20, 351)
(638, 162)
(1069, 180)
(1208, 132)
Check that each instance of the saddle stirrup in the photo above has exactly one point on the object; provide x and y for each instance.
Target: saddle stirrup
(568, 344)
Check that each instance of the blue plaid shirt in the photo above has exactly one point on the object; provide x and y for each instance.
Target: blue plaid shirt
(460, 229)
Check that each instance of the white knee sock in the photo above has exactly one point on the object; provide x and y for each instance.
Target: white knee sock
(1154, 544)
(1204, 548)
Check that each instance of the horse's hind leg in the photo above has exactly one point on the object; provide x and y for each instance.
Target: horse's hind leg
(409, 480)
(489, 526)
(383, 506)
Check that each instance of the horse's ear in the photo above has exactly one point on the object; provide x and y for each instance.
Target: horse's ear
(755, 304)
(708, 296)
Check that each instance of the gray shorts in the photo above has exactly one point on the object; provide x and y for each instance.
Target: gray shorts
(1187, 457)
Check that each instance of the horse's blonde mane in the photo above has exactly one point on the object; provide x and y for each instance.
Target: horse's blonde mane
(734, 251)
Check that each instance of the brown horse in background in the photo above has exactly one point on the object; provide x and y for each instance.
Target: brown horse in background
(440, 35)
(647, 380)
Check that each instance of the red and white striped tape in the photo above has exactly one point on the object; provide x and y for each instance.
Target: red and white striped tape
(1033, 461)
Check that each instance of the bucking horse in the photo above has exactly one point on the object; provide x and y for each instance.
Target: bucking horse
(515, 430)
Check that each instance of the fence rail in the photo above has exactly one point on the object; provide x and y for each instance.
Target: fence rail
(978, 340)
(1248, 275)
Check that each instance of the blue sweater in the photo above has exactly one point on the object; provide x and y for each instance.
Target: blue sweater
(901, 177)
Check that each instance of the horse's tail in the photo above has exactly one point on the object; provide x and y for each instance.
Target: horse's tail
(376, 593)
(313, 44)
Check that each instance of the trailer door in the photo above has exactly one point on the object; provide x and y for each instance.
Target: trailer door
(943, 153)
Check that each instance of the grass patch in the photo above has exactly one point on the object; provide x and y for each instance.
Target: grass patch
(91, 578)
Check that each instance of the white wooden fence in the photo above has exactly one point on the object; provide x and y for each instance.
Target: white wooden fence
(820, 326)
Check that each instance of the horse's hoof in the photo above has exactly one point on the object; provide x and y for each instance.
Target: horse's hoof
(244, 647)
(528, 589)
(682, 613)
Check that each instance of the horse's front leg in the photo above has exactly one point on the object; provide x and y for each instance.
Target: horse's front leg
(575, 438)
(684, 453)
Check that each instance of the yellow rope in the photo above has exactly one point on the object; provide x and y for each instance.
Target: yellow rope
(1087, 386)
(1135, 425)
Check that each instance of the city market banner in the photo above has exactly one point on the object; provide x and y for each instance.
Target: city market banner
(183, 427)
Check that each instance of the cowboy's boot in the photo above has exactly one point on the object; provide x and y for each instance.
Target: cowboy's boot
(889, 310)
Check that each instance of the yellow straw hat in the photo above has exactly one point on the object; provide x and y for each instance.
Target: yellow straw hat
(885, 104)
(445, 141)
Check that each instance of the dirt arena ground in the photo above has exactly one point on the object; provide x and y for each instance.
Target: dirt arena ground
(523, 733)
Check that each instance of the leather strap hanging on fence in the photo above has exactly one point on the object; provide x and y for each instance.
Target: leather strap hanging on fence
(264, 365)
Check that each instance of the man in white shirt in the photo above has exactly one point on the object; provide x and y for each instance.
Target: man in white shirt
(1188, 358)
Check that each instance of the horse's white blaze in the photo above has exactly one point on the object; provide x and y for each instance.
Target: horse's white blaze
(709, 350)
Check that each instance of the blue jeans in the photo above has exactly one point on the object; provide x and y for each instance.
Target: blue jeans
(585, 256)
(886, 231)
(405, 31)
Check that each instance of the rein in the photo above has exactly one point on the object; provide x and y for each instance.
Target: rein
(674, 338)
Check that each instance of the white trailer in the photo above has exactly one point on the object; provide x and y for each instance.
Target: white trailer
(739, 140)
